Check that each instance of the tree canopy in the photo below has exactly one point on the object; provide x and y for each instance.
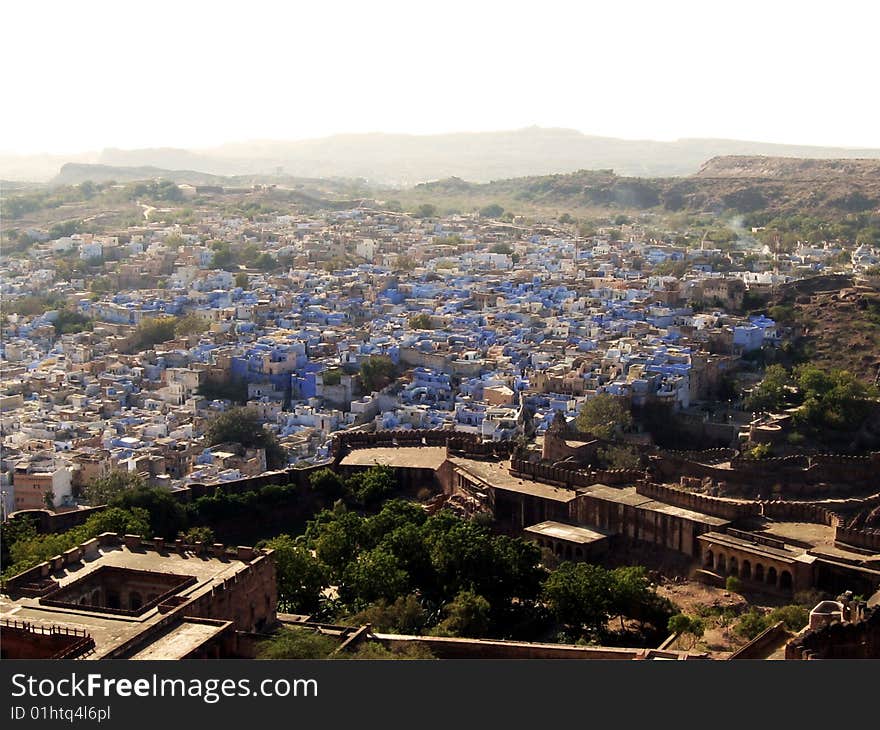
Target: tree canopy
(154, 330)
(377, 372)
(832, 399)
(104, 489)
(604, 415)
(242, 425)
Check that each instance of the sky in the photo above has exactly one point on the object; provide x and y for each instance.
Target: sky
(90, 74)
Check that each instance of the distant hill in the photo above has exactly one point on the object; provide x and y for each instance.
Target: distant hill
(74, 173)
(404, 160)
(316, 192)
(742, 184)
(739, 184)
(788, 168)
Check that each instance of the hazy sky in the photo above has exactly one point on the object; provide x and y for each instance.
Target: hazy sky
(89, 74)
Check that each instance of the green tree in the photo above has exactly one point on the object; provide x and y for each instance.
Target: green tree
(404, 616)
(199, 534)
(760, 451)
(104, 489)
(752, 623)
(102, 285)
(133, 521)
(772, 392)
(405, 263)
(420, 322)
(794, 617)
(733, 584)
(631, 592)
(425, 210)
(331, 376)
(687, 626)
(167, 515)
(242, 425)
(190, 324)
(337, 541)
(619, 457)
(604, 415)
(233, 389)
(375, 575)
(492, 210)
(154, 330)
(300, 575)
(580, 595)
(327, 483)
(373, 650)
(467, 615)
(71, 322)
(24, 548)
(242, 280)
(377, 372)
(833, 399)
(373, 485)
(297, 643)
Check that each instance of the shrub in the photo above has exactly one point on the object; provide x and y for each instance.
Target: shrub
(296, 643)
(733, 584)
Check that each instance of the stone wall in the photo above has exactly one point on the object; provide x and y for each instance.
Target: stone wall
(465, 443)
(864, 538)
(461, 648)
(248, 598)
(799, 512)
(820, 476)
(859, 640)
(757, 647)
(46, 521)
(573, 477)
(715, 506)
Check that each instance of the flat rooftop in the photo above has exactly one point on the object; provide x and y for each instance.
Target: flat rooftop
(111, 630)
(568, 533)
(182, 639)
(497, 474)
(404, 457)
(785, 554)
(629, 496)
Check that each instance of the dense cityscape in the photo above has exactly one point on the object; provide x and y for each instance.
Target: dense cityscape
(446, 431)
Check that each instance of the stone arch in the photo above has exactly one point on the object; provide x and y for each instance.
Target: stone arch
(732, 566)
(568, 553)
(759, 572)
(771, 575)
(135, 601)
(96, 597)
(558, 549)
(113, 600)
(745, 570)
(785, 581)
(710, 560)
(721, 564)
(83, 601)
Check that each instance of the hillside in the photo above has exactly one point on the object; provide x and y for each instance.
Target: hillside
(789, 168)
(738, 184)
(837, 323)
(74, 173)
(405, 159)
(827, 189)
